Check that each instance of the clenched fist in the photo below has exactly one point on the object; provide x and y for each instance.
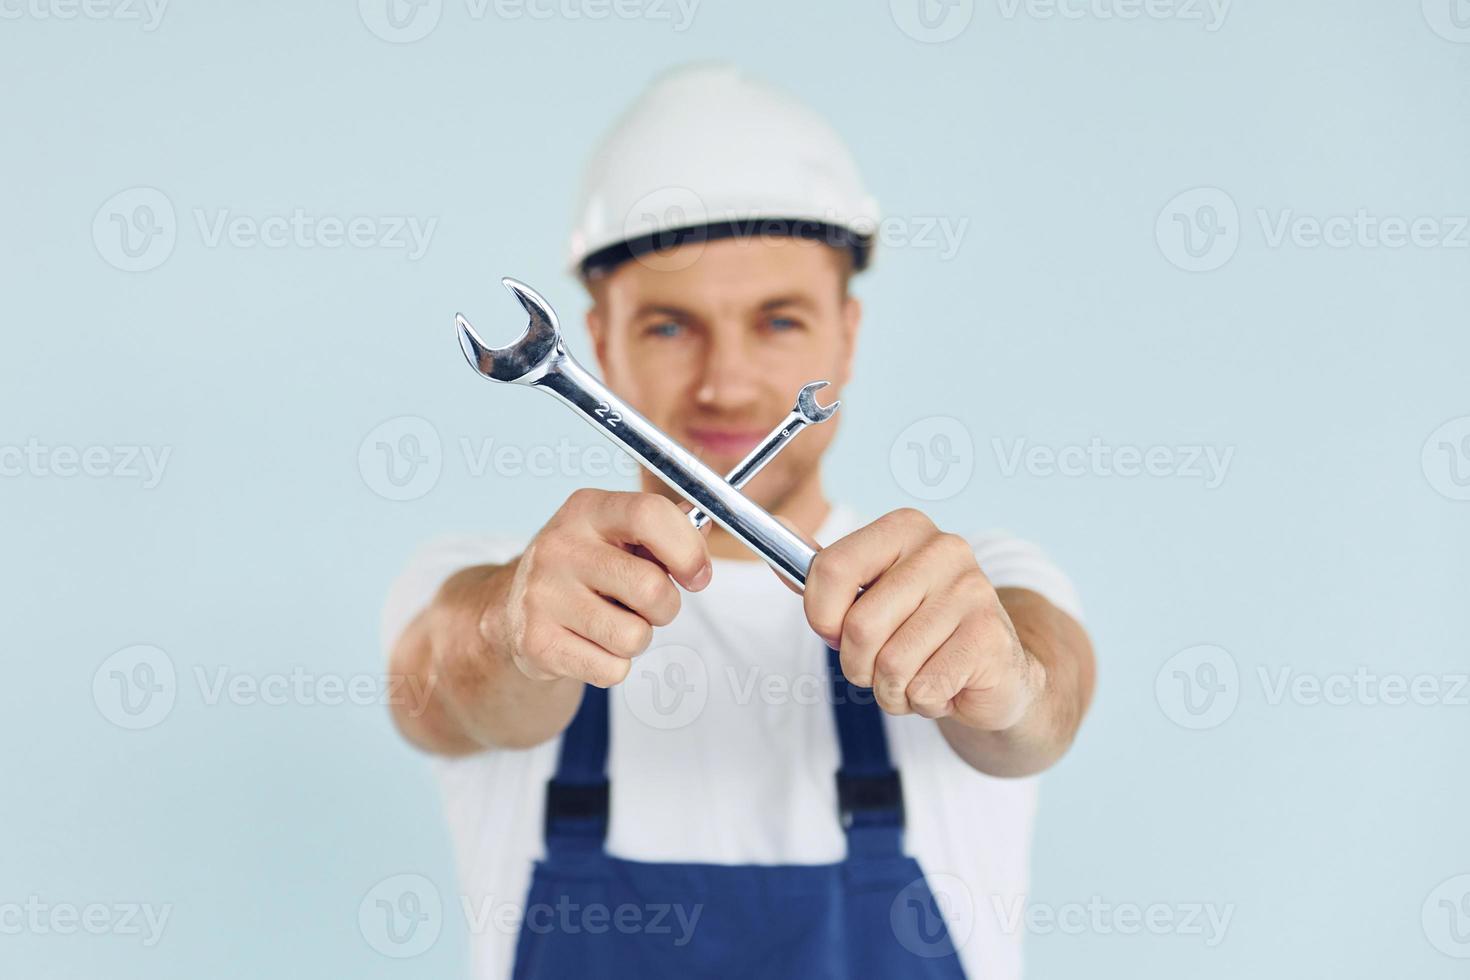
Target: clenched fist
(594, 582)
(915, 619)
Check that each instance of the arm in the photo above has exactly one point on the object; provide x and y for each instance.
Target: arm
(1006, 674)
(504, 650)
(457, 650)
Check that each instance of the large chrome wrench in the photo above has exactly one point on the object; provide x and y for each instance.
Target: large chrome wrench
(539, 358)
(807, 412)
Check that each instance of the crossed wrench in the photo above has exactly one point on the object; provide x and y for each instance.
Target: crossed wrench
(807, 412)
(539, 359)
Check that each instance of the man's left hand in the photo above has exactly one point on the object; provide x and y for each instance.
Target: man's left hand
(927, 632)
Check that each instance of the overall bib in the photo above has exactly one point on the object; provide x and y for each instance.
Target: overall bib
(589, 915)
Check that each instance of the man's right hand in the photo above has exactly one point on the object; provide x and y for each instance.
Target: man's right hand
(591, 586)
(504, 650)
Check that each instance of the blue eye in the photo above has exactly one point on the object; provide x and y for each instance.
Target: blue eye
(784, 323)
(666, 329)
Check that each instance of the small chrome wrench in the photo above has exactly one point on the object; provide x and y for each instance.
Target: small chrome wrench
(807, 412)
(539, 358)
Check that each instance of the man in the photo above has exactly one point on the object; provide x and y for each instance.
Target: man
(695, 784)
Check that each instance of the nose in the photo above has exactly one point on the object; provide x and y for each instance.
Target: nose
(729, 378)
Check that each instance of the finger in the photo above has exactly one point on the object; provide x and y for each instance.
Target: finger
(657, 524)
(933, 689)
(570, 655)
(620, 632)
(638, 583)
(842, 569)
(873, 618)
(1004, 680)
(906, 651)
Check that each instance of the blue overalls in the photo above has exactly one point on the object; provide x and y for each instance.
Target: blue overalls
(589, 915)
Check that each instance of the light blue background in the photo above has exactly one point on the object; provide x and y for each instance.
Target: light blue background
(1060, 318)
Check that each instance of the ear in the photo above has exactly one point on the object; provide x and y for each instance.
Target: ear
(852, 318)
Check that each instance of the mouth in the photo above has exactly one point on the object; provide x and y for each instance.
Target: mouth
(724, 443)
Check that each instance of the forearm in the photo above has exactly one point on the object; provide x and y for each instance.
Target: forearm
(459, 652)
(1062, 663)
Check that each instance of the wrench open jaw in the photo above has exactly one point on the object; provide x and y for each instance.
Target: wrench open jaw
(807, 407)
(519, 360)
(807, 412)
(539, 358)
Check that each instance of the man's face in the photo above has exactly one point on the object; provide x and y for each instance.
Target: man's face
(712, 341)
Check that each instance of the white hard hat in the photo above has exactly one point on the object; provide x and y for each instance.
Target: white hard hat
(708, 152)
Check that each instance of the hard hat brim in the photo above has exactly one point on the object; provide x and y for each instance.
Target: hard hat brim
(603, 261)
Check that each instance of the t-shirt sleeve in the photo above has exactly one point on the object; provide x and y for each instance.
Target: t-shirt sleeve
(1014, 563)
(427, 570)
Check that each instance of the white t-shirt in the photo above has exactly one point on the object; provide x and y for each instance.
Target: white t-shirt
(723, 750)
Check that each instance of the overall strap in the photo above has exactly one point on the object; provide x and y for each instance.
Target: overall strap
(869, 794)
(577, 795)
